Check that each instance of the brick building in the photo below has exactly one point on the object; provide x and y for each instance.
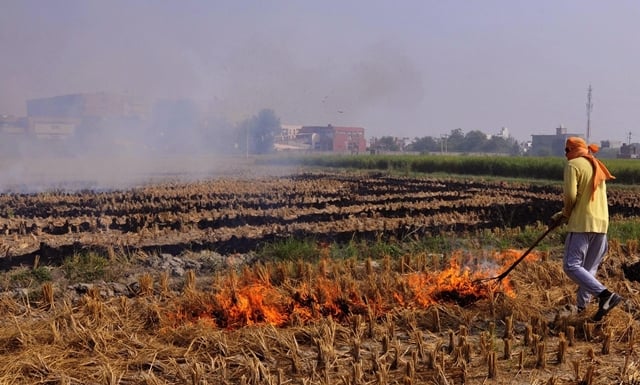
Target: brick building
(349, 140)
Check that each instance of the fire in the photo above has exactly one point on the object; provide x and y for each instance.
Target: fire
(327, 298)
(252, 304)
(253, 299)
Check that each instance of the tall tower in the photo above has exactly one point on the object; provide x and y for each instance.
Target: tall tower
(589, 109)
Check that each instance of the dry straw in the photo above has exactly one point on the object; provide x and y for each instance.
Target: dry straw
(174, 335)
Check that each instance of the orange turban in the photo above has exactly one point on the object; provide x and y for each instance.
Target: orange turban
(576, 147)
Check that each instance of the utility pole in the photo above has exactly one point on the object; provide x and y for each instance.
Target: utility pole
(443, 143)
(589, 109)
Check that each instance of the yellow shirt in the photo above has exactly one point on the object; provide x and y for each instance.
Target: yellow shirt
(585, 215)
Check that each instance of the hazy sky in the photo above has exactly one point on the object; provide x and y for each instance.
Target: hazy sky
(402, 68)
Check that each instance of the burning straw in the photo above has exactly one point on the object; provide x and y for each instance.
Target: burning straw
(267, 294)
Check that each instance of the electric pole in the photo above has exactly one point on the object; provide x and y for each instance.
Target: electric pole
(589, 109)
(443, 143)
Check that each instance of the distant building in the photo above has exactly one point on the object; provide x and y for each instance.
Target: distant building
(11, 125)
(52, 127)
(290, 140)
(37, 127)
(334, 138)
(84, 106)
(629, 151)
(504, 134)
(64, 115)
(610, 143)
(550, 145)
(288, 132)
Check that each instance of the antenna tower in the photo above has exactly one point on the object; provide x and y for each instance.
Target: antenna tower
(589, 109)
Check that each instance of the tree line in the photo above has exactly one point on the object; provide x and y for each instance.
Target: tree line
(456, 141)
(256, 135)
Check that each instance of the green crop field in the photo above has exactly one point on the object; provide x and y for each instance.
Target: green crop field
(627, 171)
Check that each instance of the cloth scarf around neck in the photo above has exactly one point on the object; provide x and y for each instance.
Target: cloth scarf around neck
(577, 147)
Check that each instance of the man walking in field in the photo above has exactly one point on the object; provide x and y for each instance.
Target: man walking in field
(586, 214)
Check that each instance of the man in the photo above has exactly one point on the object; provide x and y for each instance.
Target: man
(586, 214)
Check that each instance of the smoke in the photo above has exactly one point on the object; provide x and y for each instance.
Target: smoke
(222, 69)
(176, 142)
(383, 80)
(106, 172)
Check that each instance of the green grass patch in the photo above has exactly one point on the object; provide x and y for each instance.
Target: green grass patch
(380, 249)
(439, 243)
(348, 250)
(26, 277)
(446, 243)
(624, 230)
(86, 267)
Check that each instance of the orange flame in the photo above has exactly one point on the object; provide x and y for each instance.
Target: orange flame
(452, 284)
(253, 304)
(256, 301)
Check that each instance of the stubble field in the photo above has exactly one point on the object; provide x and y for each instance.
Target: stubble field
(188, 300)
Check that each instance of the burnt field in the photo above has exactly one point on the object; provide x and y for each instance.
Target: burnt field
(415, 318)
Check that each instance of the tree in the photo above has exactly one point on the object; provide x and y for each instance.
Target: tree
(454, 140)
(496, 145)
(500, 145)
(474, 141)
(256, 134)
(515, 148)
(425, 144)
(387, 143)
